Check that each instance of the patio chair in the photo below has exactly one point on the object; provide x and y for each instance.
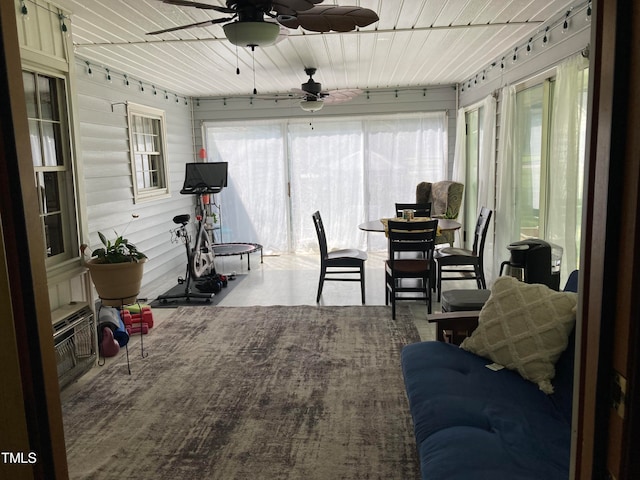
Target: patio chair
(419, 209)
(469, 263)
(411, 246)
(337, 263)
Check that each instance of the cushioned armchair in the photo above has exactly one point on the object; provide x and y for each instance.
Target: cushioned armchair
(445, 198)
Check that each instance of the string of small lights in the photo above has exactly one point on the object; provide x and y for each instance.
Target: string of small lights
(562, 24)
(110, 76)
(91, 69)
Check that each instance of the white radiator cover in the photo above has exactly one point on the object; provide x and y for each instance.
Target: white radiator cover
(74, 338)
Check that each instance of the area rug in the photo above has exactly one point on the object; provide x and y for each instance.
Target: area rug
(305, 392)
(179, 289)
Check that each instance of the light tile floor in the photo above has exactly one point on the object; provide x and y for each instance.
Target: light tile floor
(293, 280)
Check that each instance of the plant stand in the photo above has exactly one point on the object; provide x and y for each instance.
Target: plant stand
(101, 357)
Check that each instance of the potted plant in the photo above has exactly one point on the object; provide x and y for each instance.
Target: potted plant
(116, 270)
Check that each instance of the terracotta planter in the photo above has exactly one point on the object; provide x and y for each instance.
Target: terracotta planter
(117, 284)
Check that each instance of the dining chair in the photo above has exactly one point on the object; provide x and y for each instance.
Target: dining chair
(419, 209)
(469, 263)
(335, 264)
(411, 246)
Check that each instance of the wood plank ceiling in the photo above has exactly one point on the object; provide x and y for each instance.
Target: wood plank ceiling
(415, 43)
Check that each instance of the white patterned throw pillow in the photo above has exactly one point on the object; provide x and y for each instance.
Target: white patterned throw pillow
(524, 327)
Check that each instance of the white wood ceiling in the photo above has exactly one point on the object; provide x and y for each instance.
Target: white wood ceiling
(415, 43)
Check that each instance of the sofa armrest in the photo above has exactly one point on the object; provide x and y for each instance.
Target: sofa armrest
(454, 327)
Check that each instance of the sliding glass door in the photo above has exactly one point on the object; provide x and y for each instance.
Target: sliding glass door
(350, 169)
(327, 175)
(254, 205)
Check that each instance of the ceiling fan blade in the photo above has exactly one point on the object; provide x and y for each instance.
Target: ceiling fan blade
(204, 6)
(291, 7)
(326, 18)
(339, 96)
(193, 25)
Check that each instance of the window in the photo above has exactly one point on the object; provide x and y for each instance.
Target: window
(352, 169)
(533, 106)
(49, 137)
(550, 132)
(148, 152)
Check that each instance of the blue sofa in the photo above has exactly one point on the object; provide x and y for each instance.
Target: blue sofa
(472, 423)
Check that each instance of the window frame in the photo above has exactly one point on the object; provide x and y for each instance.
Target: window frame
(64, 172)
(473, 125)
(546, 86)
(161, 190)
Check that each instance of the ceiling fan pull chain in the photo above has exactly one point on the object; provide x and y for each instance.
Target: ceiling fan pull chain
(253, 53)
(237, 62)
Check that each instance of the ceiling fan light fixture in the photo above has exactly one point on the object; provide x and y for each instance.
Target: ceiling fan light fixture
(251, 34)
(311, 105)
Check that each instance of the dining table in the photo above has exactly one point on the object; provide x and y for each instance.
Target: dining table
(444, 225)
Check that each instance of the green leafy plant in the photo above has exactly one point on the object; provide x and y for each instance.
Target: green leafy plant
(119, 250)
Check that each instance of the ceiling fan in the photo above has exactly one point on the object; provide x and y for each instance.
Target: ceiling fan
(255, 23)
(311, 96)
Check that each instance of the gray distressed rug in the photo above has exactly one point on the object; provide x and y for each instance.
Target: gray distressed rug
(251, 393)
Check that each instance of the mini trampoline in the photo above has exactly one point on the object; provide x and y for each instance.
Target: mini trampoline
(238, 248)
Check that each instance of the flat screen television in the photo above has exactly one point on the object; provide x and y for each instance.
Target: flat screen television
(210, 177)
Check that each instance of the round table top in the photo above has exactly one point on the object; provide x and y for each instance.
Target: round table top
(445, 225)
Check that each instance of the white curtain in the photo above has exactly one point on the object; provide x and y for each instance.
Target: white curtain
(400, 152)
(459, 173)
(506, 224)
(487, 177)
(568, 119)
(486, 167)
(327, 173)
(254, 206)
(350, 169)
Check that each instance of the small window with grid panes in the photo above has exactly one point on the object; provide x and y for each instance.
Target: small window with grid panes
(148, 158)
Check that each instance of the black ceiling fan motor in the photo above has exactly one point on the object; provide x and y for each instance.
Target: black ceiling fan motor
(312, 86)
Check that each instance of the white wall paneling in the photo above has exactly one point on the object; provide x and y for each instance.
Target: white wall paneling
(104, 153)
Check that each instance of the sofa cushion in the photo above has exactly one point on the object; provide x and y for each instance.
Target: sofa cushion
(524, 327)
(472, 422)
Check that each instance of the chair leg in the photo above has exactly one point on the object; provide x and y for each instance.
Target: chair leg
(362, 289)
(323, 271)
(393, 298)
(432, 275)
(439, 280)
(386, 289)
(482, 284)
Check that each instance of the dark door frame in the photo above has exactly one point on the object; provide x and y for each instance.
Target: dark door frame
(605, 443)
